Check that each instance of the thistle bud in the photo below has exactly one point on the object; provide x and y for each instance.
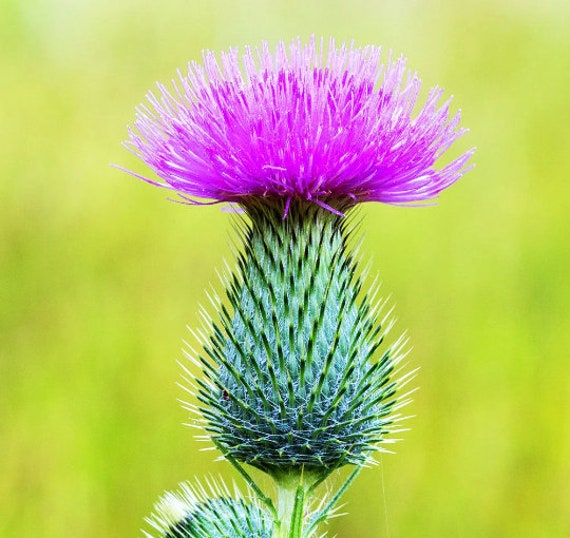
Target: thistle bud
(199, 512)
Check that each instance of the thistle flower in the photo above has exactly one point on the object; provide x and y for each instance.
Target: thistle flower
(293, 379)
(302, 123)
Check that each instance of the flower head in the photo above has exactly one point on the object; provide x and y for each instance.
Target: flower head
(299, 123)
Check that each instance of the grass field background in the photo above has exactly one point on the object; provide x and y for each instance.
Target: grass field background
(100, 274)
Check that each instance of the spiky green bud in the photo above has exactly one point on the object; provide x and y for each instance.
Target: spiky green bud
(199, 512)
(293, 376)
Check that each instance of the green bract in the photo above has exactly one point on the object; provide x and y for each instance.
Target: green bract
(294, 378)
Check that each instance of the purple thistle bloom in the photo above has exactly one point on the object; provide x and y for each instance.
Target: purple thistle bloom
(301, 123)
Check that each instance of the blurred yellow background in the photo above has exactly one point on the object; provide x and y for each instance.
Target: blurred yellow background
(99, 274)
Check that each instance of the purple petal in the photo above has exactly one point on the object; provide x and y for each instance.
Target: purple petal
(301, 122)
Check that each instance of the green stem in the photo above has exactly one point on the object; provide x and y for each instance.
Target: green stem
(291, 502)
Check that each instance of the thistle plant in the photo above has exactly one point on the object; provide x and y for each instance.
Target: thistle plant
(294, 376)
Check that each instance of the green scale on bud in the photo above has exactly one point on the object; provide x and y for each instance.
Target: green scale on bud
(294, 380)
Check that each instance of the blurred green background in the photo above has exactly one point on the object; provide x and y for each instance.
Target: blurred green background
(99, 274)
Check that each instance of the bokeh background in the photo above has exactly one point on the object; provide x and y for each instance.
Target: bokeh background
(100, 274)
